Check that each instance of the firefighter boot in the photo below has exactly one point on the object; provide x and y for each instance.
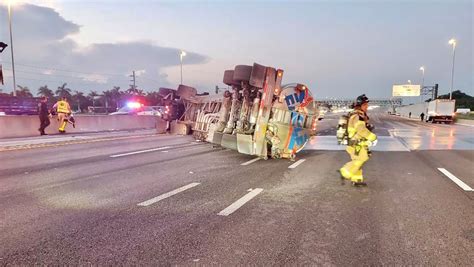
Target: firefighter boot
(357, 179)
(62, 127)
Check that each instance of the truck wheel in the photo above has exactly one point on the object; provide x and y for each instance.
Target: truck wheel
(186, 91)
(229, 78)
(242, 73)
(258, 75)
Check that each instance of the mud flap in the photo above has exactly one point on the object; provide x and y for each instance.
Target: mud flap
(245, 144)
(229, 141)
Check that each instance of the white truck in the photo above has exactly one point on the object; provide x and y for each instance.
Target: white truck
(440, 110)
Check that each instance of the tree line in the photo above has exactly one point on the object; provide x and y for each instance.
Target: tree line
(112, 99)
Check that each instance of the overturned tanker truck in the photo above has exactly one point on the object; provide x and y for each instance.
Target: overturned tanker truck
(259, 116)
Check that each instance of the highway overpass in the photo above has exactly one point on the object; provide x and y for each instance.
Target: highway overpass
(393, 102)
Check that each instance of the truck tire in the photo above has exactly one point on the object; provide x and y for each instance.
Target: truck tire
(258, 75)
(229, 78)
(165, 91)
(186, 91)
(242, 73)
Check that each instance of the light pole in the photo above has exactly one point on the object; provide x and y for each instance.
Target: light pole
(11, 44)
(181, 55)
(422, 68)
(453, 43)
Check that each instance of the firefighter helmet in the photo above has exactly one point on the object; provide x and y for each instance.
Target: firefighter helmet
(361, 100)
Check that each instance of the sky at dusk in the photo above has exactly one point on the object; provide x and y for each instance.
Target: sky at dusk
(338, 48)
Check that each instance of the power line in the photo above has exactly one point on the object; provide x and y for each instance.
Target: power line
(63, 70)
(74, 71)
(54, 81)
(56, 75)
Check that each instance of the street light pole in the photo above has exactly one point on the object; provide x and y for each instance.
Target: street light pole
(181, 55)
(11, 46)
(422, 68)
(453, 43)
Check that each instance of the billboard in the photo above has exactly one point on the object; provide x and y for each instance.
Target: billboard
(406, 90)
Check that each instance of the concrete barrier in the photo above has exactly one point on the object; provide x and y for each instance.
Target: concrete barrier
(23, 126)
(415, 109)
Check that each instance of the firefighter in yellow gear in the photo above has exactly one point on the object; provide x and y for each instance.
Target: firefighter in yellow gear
(63, 110)
(360, 139)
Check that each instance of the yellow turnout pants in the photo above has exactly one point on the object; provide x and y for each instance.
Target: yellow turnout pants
(353, 169)
(62, 119)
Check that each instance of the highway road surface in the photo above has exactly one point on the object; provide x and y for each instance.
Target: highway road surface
(141, 198)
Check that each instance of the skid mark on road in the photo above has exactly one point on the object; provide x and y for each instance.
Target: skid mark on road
(167, 195)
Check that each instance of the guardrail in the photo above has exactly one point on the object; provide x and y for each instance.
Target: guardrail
(24, 126)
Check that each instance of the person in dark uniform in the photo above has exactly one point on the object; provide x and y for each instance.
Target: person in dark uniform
(43, 115)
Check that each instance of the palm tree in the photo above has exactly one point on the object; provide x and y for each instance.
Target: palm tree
(45, 91)
(116, 95)
(131, 91)
(63, 91)
(81, 100)
(23, 91)
(107, 97)
(92, 96)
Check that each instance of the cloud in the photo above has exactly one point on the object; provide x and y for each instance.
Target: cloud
(45, 53)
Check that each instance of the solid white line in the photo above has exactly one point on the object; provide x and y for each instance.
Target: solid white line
(250, 162)
(294, 165)
(455, 179)
(167, 195)
(139, 152)
(468, 125)
(239, 203)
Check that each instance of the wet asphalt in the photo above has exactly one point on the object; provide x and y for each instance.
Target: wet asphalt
(74, 204)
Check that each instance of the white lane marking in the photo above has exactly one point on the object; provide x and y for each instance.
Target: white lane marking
(250, 161)
(455, 179)
(463, 124)
(294, 165)
(139, 152)
(167, 195)
(239, 203)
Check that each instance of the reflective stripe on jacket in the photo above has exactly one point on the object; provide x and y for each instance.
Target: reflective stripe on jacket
(357, 128)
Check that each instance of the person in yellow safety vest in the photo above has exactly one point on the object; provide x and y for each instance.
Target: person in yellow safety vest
(63, 110)
(360, 139)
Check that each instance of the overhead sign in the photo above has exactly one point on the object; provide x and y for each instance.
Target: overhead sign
(406, 90)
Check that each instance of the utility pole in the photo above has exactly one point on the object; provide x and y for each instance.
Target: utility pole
(133, 80)
(11, 46)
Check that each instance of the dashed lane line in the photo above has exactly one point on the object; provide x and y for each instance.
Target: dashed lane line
(294, 165)
(456, 180)
(250, 162)
(140, 152)
(239, 203)
(167, 195)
